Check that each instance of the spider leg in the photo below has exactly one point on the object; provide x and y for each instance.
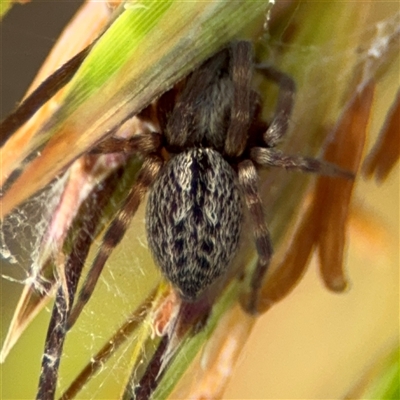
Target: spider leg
(116, 232)
(285, 104)
(140, 143)
(241, 72)
(248, 181)
(273, 158)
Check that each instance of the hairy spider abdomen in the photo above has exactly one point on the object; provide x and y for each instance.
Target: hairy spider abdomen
(194, 218)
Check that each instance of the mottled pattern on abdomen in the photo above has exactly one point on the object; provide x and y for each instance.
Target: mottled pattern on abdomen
(193, 221)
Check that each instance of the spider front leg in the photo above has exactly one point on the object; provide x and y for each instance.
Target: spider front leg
(241, 71)
(140, 143)
(248, 181)
(116, 231)
(284, 107)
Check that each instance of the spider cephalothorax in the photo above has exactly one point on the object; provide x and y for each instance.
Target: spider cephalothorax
(210, 125)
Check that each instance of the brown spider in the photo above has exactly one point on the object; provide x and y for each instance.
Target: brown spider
(212, 130)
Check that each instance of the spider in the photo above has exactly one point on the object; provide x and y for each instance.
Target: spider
(212, 131)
